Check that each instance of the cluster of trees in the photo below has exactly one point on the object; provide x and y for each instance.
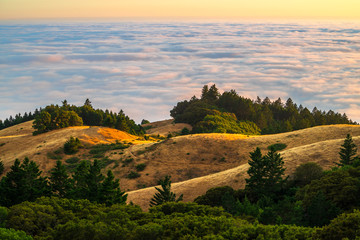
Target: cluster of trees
(56, 117)
(59, 218)
(311, 197)
(270, 117)
(11, 121)
(25, 183)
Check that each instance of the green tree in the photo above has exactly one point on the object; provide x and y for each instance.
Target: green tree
(88, 103)
(265, 174)
(23, 183)
(59, 180)
(345, 226)
(80, 190)
(320, 211)
(11, 234)
(307, 172)
(341, 187)
(214, 196)
(144, 121)
(93, 180)
(110, 192)
(72, 145)
(42, 122)
(347, 152)
(164, 195)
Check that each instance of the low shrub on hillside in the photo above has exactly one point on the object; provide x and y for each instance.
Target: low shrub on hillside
(277, 146)
(72, 146)
(140, 167)
(133, 175)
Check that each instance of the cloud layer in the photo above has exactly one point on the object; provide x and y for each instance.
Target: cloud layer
(145, 68)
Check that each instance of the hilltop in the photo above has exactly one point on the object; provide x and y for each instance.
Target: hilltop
(196, 162)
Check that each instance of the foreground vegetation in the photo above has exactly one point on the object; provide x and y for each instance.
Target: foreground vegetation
(55, 218)
(230, 113)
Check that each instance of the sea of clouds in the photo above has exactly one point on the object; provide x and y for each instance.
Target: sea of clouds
(145, 68)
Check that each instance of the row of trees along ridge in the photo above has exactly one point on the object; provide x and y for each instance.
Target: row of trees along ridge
(55, 117)
(231, 113)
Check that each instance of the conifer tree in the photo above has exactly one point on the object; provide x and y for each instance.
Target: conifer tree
(265, 173)
(23, 183)
(93, 180)
(164, 195)
(80, 190)
(59, 180)
(110, 192)
(347, 152)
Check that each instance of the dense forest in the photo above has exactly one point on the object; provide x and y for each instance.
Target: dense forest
(310, 204)
(230, 113)
(55, 117)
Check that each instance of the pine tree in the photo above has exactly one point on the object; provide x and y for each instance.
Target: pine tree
(94, 179)
(110, 192)
(80, 190)
(59, 180)
(164, 194)
(347, 152)
(23, 183)
(265, 173)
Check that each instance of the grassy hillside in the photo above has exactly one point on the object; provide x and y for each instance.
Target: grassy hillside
(195, 162)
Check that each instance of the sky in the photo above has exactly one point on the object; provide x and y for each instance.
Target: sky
(34, 9)
(145, 68)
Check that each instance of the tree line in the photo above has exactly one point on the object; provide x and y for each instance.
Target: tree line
(260, 115)
(19, 118)
(56, 117)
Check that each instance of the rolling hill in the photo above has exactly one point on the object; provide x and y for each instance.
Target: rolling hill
(195, 162)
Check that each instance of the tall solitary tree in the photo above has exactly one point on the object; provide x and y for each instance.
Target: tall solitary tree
(265, 173)
(164, 195)
(347, 152)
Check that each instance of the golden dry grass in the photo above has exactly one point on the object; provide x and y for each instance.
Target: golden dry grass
(195, 162)
(165, 127)
(20, 143)
(318, 144)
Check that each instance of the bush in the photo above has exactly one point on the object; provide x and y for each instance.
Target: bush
(214, 196)
(346, 225)
(133, 175)
(72, 145)
(185, 131)
(11, 234)
(277, 146)
(307, 172)
(144, 121)
(3, 216)
(72, 160)
(99, 150)
(140, 167)
(224, 122)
